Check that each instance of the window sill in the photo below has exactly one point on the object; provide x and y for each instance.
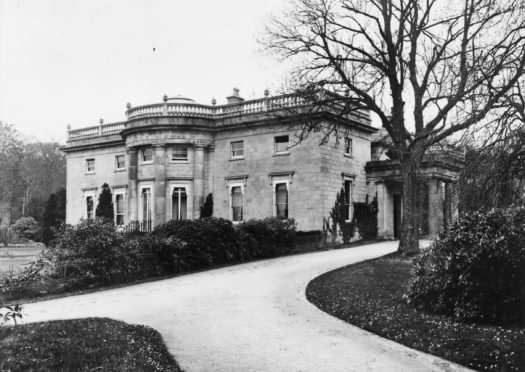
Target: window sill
(146, 163)
(287, 153)
(120, 170)
(90, 172)
(237, 158)
(179, 161)
(348, 155)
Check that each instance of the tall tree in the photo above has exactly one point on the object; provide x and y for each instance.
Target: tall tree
(105, 203)
(54, 215)
(427, 69)
(11, 183)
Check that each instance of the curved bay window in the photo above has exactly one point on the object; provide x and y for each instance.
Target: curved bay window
(281, 200)
(179, 204)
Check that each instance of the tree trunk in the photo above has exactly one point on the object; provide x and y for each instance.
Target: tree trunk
(409, 238)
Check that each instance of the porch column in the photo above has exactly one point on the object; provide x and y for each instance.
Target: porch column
(160, 183)
(452, 201)
(382, 213)
(435, 206)
(132, 216)
(198, 180)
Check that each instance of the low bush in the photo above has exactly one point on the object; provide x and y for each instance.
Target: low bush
(89, 249)
(208, 241)
(273, 236)
(476, 272)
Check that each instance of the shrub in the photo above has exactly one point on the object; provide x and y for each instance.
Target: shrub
(365, 218)
(476, 272)
(208, 241)
(27, 228)
(105, 204)
(207, 207)
(89, 249)
(273, 236)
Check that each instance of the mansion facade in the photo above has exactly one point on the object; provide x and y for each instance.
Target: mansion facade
(167, 157)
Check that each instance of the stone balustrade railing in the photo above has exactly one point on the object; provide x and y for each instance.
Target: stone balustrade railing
(170, 109)
(95, 131)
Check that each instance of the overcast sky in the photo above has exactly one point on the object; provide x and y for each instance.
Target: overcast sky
(76, 61)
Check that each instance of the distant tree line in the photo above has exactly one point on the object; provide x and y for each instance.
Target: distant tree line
(30, 172)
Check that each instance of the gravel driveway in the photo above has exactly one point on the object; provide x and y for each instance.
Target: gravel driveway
(250, 317)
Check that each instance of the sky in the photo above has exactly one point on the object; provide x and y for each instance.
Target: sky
(77, 61)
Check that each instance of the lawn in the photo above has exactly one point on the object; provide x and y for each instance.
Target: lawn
(370, 295)
(91, 344)
(16, 257)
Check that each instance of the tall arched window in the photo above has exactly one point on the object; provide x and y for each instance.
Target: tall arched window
(179, 204)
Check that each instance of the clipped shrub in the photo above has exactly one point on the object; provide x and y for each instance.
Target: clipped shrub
(105, 207)
(208, 241)
(476, 272)
(207, 207)
(27, 228)
(274, 236)
(89, 249)
(365, 218)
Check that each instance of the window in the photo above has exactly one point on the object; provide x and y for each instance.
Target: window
(179, 153)
(348, 146)
(119, 209)
(237, 149)
(281, 200)
(120, 162)
(90, 165)
(237, 203)
(90, 207)
(179, 204)
(147, 156)
(348, 200)
(281, 144)
(146, 211)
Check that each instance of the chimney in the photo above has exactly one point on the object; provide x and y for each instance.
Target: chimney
(235, 98)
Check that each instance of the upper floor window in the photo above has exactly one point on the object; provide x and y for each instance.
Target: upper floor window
(120, 162)
(146, 156)
(119, 209)
(179, 153)
(281, 200)
(348, 146)
(348, 200)
(90, 207)
(237, 203)
(237, 149)
(90, 165)
(281, 144)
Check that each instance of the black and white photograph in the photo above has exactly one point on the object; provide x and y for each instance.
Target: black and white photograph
(262, 185)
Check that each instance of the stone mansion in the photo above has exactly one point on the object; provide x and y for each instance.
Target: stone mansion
(165, 158)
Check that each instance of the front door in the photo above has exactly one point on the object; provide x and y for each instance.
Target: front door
(397, 215)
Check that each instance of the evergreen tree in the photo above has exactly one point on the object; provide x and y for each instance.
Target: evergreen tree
(105, 204)
(207, 207)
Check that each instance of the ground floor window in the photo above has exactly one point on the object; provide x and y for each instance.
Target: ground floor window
(237, 203)
(281, 200)
(348, 200)
(119, 209)
(90, 207)
(146, 209)
(179, 204)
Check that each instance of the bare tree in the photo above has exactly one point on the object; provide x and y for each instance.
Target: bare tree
(427, 68)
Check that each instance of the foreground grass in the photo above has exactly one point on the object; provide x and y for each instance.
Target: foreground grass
(370, 295)
(83, 345)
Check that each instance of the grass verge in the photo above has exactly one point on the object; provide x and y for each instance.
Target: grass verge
(370, 295)
(91, 344)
